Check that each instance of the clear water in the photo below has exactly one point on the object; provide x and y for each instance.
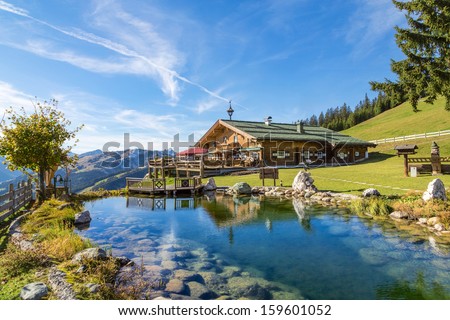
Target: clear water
(316, 253)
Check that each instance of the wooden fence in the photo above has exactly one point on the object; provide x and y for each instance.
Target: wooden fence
(15, 199)
(412, 137)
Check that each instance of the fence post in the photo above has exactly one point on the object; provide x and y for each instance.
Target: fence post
(12, 196)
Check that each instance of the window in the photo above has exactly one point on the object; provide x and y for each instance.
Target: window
(356, 154)
(281, 154)
(306, 154)
(225, 139)
(236, 138)
(274, 154)
(320, 155)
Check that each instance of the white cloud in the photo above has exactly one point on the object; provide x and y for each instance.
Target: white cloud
(104, 120)
(11, 97)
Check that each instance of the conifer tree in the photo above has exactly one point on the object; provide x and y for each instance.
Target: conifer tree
(426, 44)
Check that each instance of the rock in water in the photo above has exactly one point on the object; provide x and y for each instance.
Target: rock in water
(176, 286)
(399, 215)
(210, 185)
(241, 188)
(34, 291)
(371, 192)
(83, 217)
(303, 182)
(200, 291)
(435, 190)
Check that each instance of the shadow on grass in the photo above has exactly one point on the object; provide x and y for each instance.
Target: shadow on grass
(378, 157)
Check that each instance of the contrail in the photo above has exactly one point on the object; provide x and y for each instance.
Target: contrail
(108, 44)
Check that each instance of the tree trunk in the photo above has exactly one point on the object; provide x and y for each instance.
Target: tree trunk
(42, 188)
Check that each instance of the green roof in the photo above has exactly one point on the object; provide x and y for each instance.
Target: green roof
(288, 132)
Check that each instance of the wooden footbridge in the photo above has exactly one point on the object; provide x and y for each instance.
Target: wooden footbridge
(158, 186)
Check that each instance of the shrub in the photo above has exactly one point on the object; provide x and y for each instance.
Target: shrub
(371, 206)
(62, 245)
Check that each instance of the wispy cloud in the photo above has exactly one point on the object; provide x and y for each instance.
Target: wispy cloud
(104, 120)
(207, 105)
(5, 6)
(371, 21)
(140, 120)
(160, 64)
(10, 96)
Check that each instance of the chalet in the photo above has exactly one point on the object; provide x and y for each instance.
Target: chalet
(236, 143)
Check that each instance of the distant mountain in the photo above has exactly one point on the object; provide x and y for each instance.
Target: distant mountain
(107, 170)
(5, 173)
(96, 169)
(7, 177)
(91, 153)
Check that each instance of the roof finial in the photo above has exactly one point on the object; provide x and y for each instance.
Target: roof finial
(230, 110)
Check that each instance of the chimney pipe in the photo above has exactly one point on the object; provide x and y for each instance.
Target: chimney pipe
(300, 128)
(268, 120)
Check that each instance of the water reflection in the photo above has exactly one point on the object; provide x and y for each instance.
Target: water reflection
(161, 203)
(413, 290)
(325, 253)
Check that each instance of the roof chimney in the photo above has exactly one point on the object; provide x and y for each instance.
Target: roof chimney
(300, 128)
(268, 120)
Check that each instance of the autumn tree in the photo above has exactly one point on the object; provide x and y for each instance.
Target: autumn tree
(426, 44)
(37, 142)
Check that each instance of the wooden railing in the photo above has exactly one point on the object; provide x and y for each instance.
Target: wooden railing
(197, 164)
(15, 199)
(187, 183)
(162, 162)
(161, 184)
(412, 137)
(426, 160)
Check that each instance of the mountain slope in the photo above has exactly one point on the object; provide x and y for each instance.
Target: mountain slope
(401, 121)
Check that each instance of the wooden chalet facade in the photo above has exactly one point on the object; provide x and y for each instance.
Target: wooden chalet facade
(236, 143)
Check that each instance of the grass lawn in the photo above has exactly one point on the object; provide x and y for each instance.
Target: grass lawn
(383, 171)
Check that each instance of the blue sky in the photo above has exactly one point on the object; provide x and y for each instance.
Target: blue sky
(157, 68)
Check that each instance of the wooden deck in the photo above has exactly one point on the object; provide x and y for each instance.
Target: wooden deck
(155, 186)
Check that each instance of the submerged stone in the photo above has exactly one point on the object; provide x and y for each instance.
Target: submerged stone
(248, 287)
(187, 275)
(198, 290)
(176, 286)
(370, 256)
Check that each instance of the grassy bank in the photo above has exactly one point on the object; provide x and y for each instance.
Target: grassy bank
(51, 228)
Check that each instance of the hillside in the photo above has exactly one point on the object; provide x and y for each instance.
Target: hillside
(107, 171)
(403, 121)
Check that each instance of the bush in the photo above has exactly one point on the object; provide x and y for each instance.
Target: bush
(62, 245)
(371, 206)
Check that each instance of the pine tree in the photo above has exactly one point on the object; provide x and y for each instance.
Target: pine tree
(426, 44)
